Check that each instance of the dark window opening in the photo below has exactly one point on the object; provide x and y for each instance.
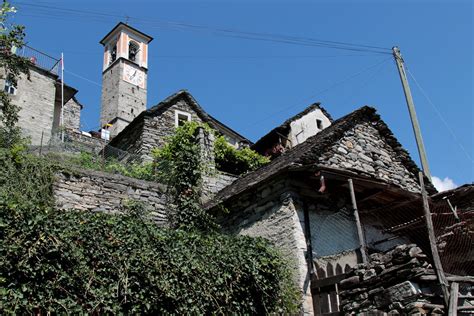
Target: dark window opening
(113, 54)
(133, 49)
(182, 119)
(9, 87)
(131, 111)
(319, 124)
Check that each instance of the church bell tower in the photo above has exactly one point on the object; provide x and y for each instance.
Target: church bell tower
(124, 76)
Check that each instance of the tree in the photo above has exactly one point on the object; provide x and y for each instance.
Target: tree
(12, 66)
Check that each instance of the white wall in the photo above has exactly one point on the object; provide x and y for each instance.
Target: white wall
(306, 126)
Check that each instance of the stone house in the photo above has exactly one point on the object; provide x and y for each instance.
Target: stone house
(152, 127)
(301, 200)
(293, 131)
(39, 98)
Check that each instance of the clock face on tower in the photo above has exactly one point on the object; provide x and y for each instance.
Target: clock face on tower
(134, 76)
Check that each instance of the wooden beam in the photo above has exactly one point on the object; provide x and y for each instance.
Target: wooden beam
(434, 249)
(332, 280)
(360, 233)
(451, 278)
(453, 299)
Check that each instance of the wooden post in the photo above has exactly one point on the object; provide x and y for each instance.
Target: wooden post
(434, 249)
(453, 299)
(360, 233)
(411, 109)
(41, 143)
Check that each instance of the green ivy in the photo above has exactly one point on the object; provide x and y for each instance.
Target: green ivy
(179, 165)
(89, 262)
(11, 38)
(236, 161)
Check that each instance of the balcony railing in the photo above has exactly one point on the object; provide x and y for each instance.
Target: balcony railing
(38, 58)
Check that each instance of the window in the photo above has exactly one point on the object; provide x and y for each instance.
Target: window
(9, 87)
(113, 54)
(319, 124)
(133, 49)
(181, 118)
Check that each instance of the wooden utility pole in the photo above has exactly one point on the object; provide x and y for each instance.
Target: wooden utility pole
(360, 232)
(434, 248)
(411, 109)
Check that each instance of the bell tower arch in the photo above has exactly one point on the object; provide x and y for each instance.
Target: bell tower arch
(124, 76)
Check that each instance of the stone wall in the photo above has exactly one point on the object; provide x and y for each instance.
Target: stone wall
(84, 142)
(216, 182)
(99, 191)
(72, 114)
(132, 140)
(152, 131)
(158, 128)
(363, 149)
(35, 97)
(393, 283)
(272, 212)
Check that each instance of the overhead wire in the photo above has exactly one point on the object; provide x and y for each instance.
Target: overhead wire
(437, 111)
(318, 93)
(366, 82)
(269, 37)
(83, 78)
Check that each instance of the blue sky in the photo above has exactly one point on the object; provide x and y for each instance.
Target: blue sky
(253, 85)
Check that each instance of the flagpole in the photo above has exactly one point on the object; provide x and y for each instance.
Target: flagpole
(62, 97)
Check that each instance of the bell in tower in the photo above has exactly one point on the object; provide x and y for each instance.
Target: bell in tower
(124, 76)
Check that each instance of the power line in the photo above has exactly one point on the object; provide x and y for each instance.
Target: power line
(440, 116)
(321, 91)
(295, 40)
(83, 78)
(369, 80)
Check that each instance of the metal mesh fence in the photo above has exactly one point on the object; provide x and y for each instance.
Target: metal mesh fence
(407, 221)
(404, 221)
(95, 154)
(453, 225)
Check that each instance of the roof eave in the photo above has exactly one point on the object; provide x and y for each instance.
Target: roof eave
(121, 24)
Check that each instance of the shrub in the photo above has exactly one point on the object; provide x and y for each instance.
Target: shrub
(232, 160)
(86, 262)
(75, 262)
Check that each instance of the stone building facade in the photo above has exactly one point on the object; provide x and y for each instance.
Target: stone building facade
(302, 203)
(152, 127)
(39, 98)
(294, 131)
(72, 114)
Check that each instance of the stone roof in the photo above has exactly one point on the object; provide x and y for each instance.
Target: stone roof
(285, 126)
(308, 152)
(168, 102)
(463, 195)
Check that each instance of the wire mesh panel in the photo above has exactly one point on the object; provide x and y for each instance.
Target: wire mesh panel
(453, 219)
(96, 154)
